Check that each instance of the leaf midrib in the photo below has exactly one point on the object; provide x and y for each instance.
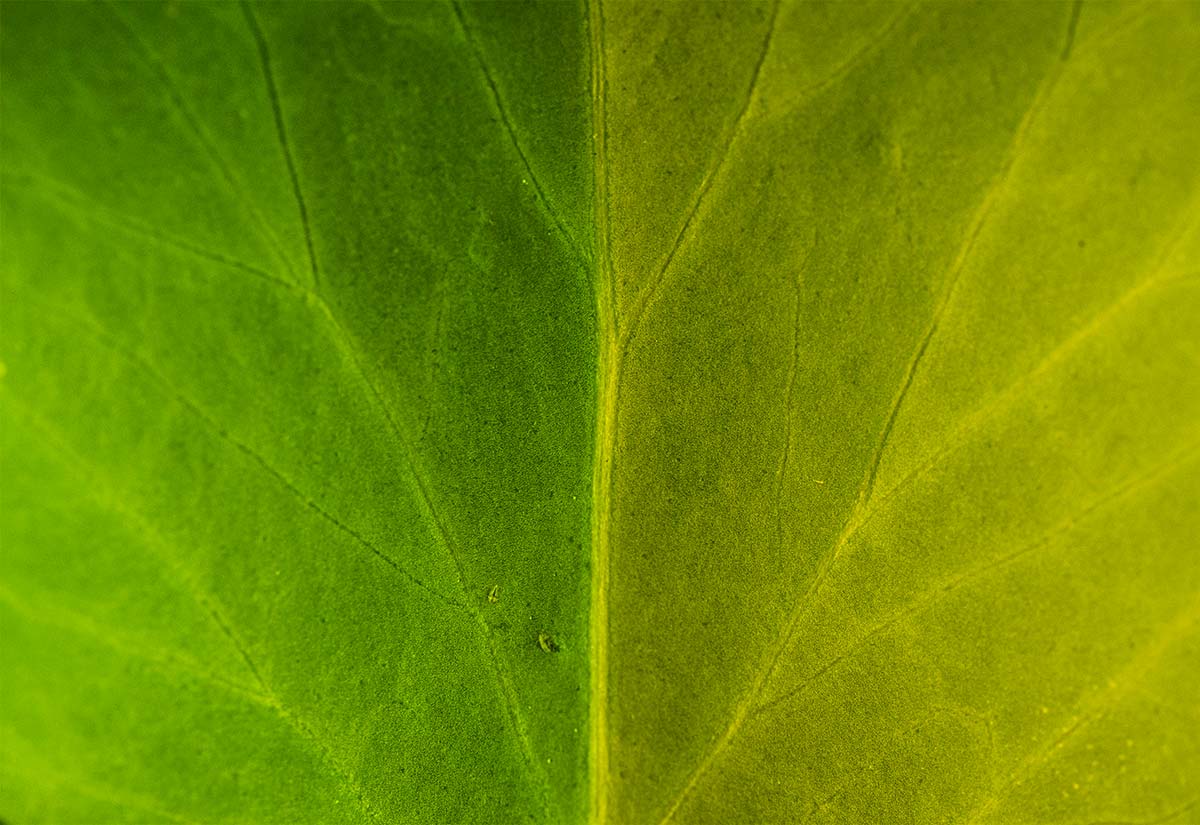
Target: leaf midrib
(607, 372)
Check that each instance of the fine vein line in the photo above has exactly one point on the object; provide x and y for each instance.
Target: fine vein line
(164, 384)
(50, 611)
(1093, 708)
(66, 199)
(979, 220)
(194, 123)
(510, 131)
(1148, 480)
(1071, 343)
(647, 295)
(1076, 8)
(101, 489)
(1159, 277)
(1017, 390)
(341, 339)
(442, 533)
(265, 696)
(503, 678)
(746, 704)
(264, 55)
(785, 457)
(344, 344)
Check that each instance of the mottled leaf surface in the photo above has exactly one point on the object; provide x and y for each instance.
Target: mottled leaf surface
(299, 369)
(914, 539)
(618, 412)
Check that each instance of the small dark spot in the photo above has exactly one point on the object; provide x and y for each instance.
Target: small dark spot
(1082, 243)
(547, 644)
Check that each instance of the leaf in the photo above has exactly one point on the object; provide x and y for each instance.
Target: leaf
(625, 413)
(913, 539)
(298, 372)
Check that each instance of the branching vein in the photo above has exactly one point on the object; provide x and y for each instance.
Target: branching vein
(647, 295)
(850, 526)
(1122, 492)
(506, 121)
(264, 55)
(196, 125)
(164, 384)
(1097, 706)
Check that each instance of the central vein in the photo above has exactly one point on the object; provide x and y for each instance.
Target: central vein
(607, 364)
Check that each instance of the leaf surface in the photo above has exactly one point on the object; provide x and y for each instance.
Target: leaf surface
(299, 370)
(625, 412)
(913, 538)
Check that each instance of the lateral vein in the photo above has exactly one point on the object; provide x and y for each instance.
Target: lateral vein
(285, 147)
(647, 296)
(854, 520)
(506, 121)
(196, 125)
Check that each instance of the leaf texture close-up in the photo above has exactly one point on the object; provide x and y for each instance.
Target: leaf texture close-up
(623, 413)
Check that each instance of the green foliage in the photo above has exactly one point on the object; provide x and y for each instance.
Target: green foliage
(626, 413)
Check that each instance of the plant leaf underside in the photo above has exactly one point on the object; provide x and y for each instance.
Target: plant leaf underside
(612, 413)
